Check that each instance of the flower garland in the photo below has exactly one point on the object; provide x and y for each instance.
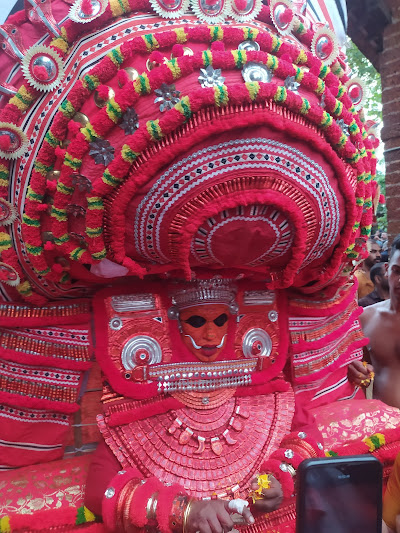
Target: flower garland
(384, 446)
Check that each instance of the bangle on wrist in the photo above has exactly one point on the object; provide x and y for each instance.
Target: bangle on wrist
(302, 441)
(186, 514)
(283, 472)
(176, 518)
(115, 496)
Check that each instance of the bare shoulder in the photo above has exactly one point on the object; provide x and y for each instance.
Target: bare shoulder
(372, 312)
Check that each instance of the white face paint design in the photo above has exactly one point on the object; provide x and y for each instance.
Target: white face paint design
(199, 347)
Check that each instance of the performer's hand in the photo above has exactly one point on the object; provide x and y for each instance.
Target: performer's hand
(272, 497)
(213, 516)
(360, 373)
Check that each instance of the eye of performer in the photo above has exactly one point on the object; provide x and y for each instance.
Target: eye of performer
(196, 321)
(220, 320)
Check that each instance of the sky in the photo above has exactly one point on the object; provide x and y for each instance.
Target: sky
(5, 8)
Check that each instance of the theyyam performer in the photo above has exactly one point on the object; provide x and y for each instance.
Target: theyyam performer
(186, 188)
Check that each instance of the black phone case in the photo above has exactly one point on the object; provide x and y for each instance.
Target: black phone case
(337, 476)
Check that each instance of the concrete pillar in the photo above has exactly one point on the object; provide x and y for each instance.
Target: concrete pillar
(390, 77)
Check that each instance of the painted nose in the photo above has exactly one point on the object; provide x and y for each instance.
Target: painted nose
(209, 332)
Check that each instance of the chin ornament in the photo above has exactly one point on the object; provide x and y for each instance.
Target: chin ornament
(43, 68)
(13, 141)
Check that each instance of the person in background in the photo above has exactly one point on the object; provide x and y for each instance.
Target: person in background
(391, 501)
(381, 324)
(379, 278)
(365, 285)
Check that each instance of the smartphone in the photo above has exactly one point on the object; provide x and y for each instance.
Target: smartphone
(339, 495)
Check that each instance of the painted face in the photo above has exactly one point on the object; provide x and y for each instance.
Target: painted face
(394, 275)
(204, 330)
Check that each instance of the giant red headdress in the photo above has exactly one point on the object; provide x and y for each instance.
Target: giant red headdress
(134, 144)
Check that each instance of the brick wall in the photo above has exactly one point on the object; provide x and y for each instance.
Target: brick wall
(390, 75)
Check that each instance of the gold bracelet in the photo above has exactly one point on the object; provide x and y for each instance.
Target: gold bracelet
(151, 509)
(186, 514)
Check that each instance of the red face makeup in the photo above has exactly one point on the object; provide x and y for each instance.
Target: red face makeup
(204, 330)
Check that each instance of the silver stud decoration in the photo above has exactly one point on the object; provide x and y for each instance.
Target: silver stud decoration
(140, 350)
(291, 84)
(93, 10)
(101, 151)
(273, 315)
(211, 11)
(324, 44)
(249, 46)
(289, 454)
(211, 77)
(245, 10)
(343, 126)
(277, 10)
(256, 72)
(256, 343)
(82, 182)
(15, 142)
(130, 121)
(167, 97)
(109, 493)
(115, 323)
(357, 92)
(8, 213)
(322, 102)
(301, 435)
(42, 68)
(9, 275)
(170, 9)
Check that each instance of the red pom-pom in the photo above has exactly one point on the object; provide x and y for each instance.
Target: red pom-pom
(355, 93)
(103, 92)
(74, 127)
(286, 16)
(42, 207)
(327, 48)
(51, 186)
(40, 73)
(156, 57)
(5, 142)
(57, 268)
(177, 50)
(286, 57)
(49, 246)
(382, 199)
(60, 152)
(86, 7)
(240, 5)
(122, 77)
(217, 46)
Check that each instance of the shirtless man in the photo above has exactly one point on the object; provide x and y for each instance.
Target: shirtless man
(381, 324)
